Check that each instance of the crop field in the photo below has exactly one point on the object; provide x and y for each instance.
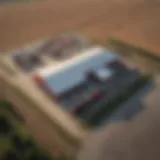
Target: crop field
(136, 21)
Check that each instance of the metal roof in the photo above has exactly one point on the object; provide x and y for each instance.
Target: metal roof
(72, 72)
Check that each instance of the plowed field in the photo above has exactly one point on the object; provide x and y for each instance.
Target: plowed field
(136, 21)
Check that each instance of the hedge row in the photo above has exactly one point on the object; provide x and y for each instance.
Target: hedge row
(142, 51)
(108, 108)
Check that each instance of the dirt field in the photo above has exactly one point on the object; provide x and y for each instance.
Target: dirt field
(134, 20)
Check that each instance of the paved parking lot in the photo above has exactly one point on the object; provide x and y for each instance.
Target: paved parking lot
(136, 139)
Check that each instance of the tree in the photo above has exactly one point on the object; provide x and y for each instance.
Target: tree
(18, 143)
(5, 126)
(10, 155)
(34, 155)
(38, 155)
(29, 143)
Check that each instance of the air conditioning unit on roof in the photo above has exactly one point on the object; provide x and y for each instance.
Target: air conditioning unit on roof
(103, 74)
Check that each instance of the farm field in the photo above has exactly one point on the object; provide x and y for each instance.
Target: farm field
(136, 21)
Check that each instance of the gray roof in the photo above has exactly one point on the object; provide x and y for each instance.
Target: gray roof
(74, 73)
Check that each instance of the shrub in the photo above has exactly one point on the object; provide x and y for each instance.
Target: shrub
(10, 155)
(5, 126)
(29, 143)
(7, 106)
(38, 155)
(18, 143)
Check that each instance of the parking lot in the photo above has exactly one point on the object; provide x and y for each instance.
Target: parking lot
(135, 139)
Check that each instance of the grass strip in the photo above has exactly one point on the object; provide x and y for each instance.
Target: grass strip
(140, 50)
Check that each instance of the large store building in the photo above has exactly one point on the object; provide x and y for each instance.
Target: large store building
(68, 82)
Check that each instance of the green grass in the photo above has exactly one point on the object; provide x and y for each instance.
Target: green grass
(108, 108)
